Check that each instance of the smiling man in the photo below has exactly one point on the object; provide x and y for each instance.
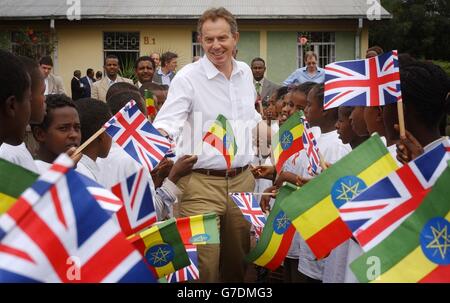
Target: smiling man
(215, 84)
(144, 70)
(100, 88)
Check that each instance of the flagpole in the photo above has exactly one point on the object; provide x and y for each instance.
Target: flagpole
(259, 194)
(401, 119)
(88, 141)
(322, 162)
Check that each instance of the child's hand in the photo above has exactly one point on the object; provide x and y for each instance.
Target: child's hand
(408, 148)
(301, 181)
(265, 199)
(182, 167)
(75, 158)
(163, 168)
(263, 171)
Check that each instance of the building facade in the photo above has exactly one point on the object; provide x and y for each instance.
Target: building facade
(278, 31)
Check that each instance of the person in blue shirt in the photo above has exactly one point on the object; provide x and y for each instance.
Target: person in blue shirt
(310, 73)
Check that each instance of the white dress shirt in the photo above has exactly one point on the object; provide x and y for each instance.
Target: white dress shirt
(46, 86)
(198, 93)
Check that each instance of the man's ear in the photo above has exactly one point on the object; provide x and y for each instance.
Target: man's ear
(236, 37)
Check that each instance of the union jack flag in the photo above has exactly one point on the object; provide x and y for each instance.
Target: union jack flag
(377, 211)
(105, 198)
(251, 210)
(139, 210)
(56, 232)
(137, 136)
(369, 82)
(187, 273)
(311, 148)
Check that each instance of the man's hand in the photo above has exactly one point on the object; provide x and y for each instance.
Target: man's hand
(408, 148)
(182, 167)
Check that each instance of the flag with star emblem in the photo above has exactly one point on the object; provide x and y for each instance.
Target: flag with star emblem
(276, 237)
(136, 135)
(317, 218)
(199, 229)
(56, 232)
(375, 212)
(14, 180)
(220, 136)
(288, 140)
(162, 248)
(419, 249)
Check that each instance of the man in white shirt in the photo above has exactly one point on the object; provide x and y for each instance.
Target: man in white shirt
(216, 84)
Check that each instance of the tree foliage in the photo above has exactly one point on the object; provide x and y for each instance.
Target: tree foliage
(418, 27)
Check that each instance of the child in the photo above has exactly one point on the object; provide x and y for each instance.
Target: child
(295, 166)
(118, 165)
(344, 128)
(425, 88)
(15, 97)
(59, 131)
(20, 155)
(93, 115)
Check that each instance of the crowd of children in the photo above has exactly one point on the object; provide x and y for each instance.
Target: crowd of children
(60, 125)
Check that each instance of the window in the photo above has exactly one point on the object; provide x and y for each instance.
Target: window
(197, 49)
(323, 44)
(31, 43)
(125, 45)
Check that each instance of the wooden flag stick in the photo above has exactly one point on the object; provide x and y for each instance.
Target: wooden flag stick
(88, 141)
(322, 162)
(401, 119)
(260, 194)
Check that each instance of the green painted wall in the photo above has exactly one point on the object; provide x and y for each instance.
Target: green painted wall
(345, 46)
(281, 55)
(248, 46)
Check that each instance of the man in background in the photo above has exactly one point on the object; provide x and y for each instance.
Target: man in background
(53, 83)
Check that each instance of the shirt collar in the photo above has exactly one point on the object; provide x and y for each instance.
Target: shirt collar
(111, 82)
(212, 71)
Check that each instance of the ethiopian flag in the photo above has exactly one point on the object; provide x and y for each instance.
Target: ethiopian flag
(313, 208)
(162, 248)
(221, 137)
(288, 140)
(150, 102)
(419, 249)
(200, 229)
(14, 180)
(277, 235)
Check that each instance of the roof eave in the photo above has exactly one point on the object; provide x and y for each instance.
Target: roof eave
(193, 17)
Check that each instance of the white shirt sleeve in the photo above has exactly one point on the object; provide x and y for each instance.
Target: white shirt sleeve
(175, 110)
